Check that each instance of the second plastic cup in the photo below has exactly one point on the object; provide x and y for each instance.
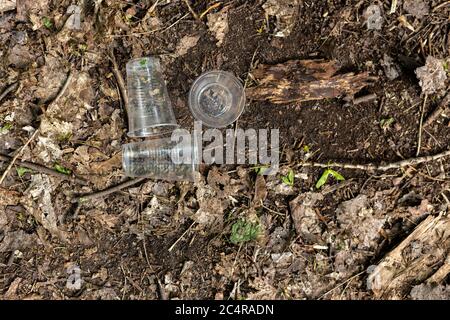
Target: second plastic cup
(217, 98)
(161, 159)
(150, 110)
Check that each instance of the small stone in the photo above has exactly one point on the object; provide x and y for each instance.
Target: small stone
(373, 17)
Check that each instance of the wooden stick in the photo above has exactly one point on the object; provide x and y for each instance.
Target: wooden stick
(438, 111)
(108, 191)
(8, 89)
(18, 154)
(42, 169)
(36, 132)
(120, 81)
(399, 269)
(304, 80)
(181, 237)
(378, 167)
(419, 138)
(194, 14)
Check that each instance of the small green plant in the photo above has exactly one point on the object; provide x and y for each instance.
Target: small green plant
(260, 170)
(327, 173)
(386, 123)
(446, 67)
(6, 127)
(47, 22)
(243, 231)
(22, 170)
(289, 178)
(64, 137)
(143, 62)
(63, 170)
(306, 148)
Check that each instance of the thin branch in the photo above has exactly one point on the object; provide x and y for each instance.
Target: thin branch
(45, 170)
(18, 154)
(120, 81)
(419, 138)
(378, 167)
(108, 191)
(181, 237)
(36, 132)
(11, 87)
(342, 283)
(438, 111)
(63, 89)
(194, 14)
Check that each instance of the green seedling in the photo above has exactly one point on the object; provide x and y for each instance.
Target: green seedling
(243, 231)
(63, 170)
(64, 137)
(47, 22)
(289, 178)
(22, 170)
(306, 148)
(386, 123)
(143, 62)
(327, 173)
(5, 128)
(260, 170)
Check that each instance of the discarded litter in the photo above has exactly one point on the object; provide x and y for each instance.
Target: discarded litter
(161, 159)
(150, 110)
(217, 98)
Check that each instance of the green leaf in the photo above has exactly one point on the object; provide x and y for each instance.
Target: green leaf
(446, 68)
(143, 62)
(63, 170)
(244, 231)
(289, 178)
(6, 128)
(260, 170)
(22, 170)
(47, 22)
(324, 177)
(336, 175)
(306, 148)
(386, 123)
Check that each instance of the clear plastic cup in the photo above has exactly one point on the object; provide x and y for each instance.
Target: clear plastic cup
(161, 159)
(217, 98)
(150, 110)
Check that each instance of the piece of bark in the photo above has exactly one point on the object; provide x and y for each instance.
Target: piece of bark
(7, 5)
(442, 272)
(414, 260)
(304, 80)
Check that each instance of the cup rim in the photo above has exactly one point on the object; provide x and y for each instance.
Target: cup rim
(205, 119)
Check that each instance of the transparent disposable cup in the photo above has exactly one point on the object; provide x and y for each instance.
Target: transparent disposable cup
(161, 159)
(217, 98)
(150, 110)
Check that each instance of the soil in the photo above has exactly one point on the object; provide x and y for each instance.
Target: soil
(146, 242)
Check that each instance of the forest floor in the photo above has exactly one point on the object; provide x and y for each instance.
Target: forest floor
(235, 234)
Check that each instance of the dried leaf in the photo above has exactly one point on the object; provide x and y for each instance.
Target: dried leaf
(218, 25)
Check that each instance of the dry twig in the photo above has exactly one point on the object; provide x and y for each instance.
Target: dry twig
(120, 81)
(438, 111)
(18, 154)
(419, 139)
(45, 170)
(378, 167)
(8, 89)
(194, 14)
(36, 132)
(108, 191)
